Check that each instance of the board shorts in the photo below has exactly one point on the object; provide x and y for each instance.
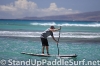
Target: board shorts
(44, 42)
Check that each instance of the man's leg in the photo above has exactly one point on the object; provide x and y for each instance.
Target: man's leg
(47, 48)
(43, 47)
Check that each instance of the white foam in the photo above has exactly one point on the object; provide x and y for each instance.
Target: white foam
(67, 24)
(56, 34)
(44, 24)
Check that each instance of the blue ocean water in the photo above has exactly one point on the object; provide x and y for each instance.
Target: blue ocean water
(77, 37)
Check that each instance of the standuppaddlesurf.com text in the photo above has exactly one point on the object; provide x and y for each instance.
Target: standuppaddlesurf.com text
(55, 62)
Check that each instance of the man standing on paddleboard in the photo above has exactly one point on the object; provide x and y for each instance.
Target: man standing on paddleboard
(44, 36)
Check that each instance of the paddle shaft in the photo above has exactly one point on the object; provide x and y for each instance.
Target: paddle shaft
(58, 40)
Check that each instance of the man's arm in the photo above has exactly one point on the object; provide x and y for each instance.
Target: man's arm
(54, 39)
(55, 29)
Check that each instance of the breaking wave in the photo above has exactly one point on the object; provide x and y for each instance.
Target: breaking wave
(63, 34)
(67, 24)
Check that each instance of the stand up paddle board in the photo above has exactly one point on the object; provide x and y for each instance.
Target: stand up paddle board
(44, 55)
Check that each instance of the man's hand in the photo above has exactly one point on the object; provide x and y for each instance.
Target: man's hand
(57, 42)
(59, 28)
(55, 39)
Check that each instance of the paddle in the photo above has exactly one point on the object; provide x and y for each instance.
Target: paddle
(58, 40)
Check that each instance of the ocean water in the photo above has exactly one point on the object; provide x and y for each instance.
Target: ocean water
(76, 37)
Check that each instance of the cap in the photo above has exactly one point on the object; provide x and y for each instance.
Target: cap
(52, 27)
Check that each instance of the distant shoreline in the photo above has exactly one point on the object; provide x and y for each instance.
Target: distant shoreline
(86, 16)
(54, 20)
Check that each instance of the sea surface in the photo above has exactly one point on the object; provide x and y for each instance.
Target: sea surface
(76, 37)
